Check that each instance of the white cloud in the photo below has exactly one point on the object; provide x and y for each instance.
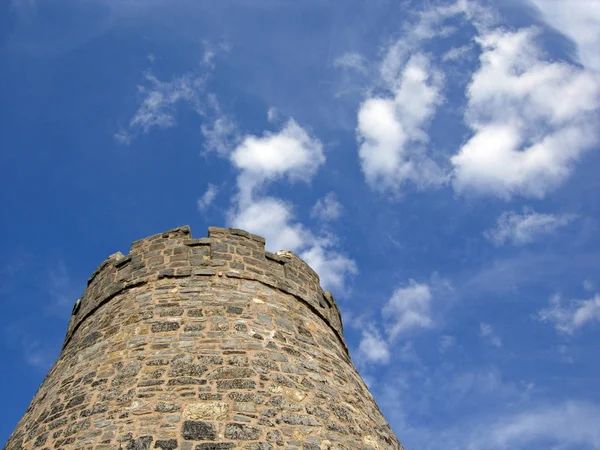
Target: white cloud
(39, 354)
(408, 309)
(457, 53)
(351, 60)
(391, 130)
(568, 318)
(373, 348)
(122, 137)
(572, 424)
(221, 134)
(588, 285)
(62, 289)
(580, 21)
(271, 218)
(327, 208)
(525, 142)
(446, 343)
(158, 107)
(272, 114)
(487, 331)
(274, 220)
(334, 268)
(208, 197)
(526, 227)
(291, 153)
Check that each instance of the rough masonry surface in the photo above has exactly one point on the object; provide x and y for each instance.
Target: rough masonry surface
(203, 344)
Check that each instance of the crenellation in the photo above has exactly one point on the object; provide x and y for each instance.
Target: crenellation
(232, 252)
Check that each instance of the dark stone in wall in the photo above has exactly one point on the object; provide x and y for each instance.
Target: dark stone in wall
(198, 431)
(141, 443)
(169, 444)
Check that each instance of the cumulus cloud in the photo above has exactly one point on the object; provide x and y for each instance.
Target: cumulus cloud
(327, 208)
(526, 227)
(408, 309)
(208, 197)
(391, 129)
(290, 153)
(486, 331)
(580, 21)
(293, 155)
(334, 268)
(272, 218)
(568, 317)
(373, 348)
(525, 141)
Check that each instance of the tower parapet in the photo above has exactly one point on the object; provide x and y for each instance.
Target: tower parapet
(226, 252)
(203, 344)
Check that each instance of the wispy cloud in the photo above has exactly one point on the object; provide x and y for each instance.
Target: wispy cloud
(158, 108)
(327, 208)
(486, 331)
(351, 61)
(568, 317)
(520, 229)
(568, 424)
(34, 352)
(272, 114)
(457, 53)
(63, 290)
(220, 132)
(208, 197)
(160, 100)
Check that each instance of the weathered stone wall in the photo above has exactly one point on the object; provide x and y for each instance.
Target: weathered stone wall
(203, 344)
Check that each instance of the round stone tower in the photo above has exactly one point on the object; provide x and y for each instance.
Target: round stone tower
(203, 344)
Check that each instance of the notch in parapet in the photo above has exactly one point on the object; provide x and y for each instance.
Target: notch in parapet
(220, 233)
(112, 259)
(178, 233)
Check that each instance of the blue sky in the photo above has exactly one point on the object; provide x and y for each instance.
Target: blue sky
(435, 162)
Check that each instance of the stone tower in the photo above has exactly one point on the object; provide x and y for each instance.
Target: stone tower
(203, 344)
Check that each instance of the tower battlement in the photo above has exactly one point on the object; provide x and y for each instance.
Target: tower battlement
(227, 253)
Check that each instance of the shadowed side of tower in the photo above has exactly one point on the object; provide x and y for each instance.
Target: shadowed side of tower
(203, 344)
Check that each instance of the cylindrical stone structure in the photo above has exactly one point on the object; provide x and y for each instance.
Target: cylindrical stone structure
(204, 344)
